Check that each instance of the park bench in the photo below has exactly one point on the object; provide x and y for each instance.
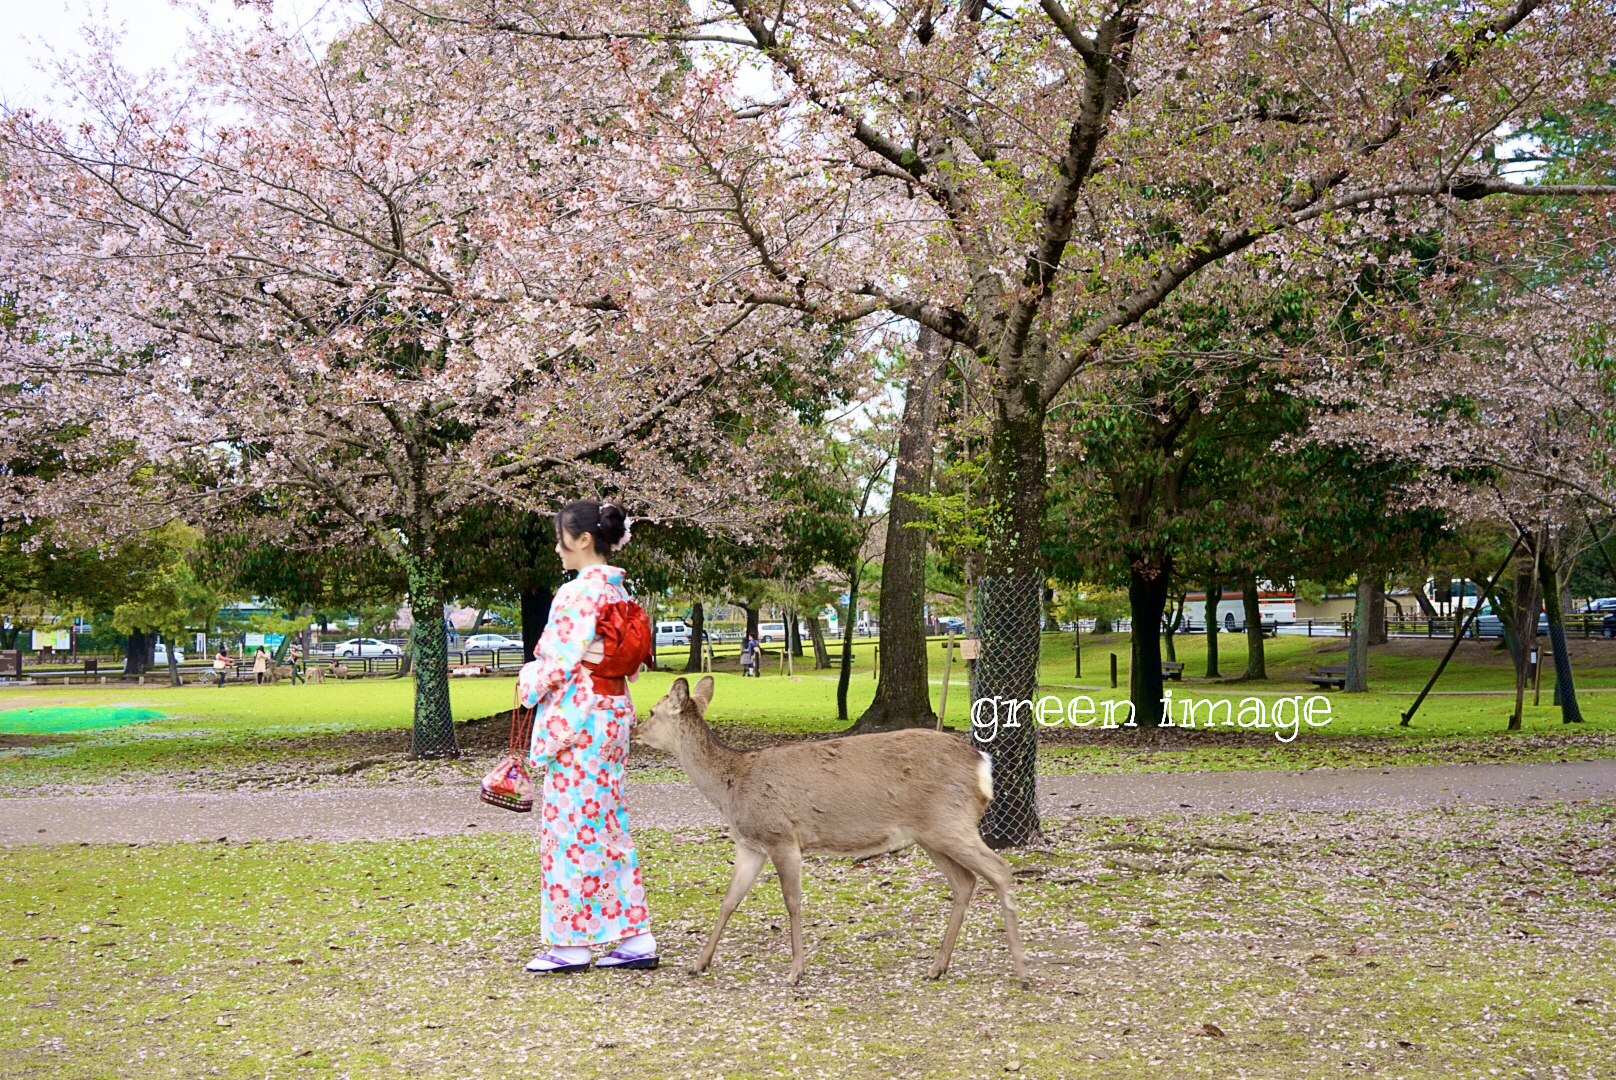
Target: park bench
(1328, 677)
(1172, 669)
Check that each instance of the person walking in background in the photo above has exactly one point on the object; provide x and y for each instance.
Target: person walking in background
(221, 663)
(260, 665)
(749, 657)
(296, 659)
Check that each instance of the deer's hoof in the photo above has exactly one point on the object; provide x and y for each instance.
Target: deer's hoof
(794, 978)
(936, 971)
(694, 969)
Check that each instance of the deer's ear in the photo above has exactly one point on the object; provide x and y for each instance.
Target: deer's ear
(704, 692)
(679, 691)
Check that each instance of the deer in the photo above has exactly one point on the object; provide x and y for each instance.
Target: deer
(858, 796)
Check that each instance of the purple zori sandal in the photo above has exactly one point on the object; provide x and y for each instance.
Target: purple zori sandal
(551, 964)
(619, 959)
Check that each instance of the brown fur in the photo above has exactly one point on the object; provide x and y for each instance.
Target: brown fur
(855, 796)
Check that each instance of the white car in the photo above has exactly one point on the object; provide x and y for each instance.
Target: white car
(160, 655)
(490, 642)
(770, 632)
(672, 633)
(365, 646)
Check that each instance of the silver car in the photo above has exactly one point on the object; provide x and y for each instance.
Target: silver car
(365, 646)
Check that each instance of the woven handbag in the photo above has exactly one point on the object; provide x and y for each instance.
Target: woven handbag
(508, 785)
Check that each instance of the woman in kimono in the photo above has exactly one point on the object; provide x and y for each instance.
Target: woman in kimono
(592, 891)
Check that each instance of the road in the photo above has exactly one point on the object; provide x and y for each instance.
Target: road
(357, 814)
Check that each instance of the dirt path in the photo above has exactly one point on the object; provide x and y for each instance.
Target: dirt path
(426, 811)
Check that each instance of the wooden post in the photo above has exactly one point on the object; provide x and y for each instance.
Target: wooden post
(1113, 671)
(1077, 646)
(875, 665)
(948, 671)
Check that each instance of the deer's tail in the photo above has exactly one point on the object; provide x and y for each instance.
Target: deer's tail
(984, 776)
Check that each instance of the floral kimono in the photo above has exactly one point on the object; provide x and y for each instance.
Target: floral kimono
(592, 891)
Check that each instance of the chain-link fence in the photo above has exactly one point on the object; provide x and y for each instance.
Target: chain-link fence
(1009, 625)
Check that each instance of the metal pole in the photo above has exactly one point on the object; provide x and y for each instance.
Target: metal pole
(1458, 637)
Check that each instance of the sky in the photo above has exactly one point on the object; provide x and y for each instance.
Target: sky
(154, 36)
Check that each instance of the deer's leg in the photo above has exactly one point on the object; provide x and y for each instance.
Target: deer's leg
(962, 884)
(748, 864)
(788, 864)
(983, 860)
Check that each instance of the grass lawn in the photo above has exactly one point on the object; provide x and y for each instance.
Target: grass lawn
(1433, 944)
(240, 729)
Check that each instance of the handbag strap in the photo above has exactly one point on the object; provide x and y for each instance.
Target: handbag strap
(521, 724)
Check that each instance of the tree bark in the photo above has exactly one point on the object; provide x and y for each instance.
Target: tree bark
(751, 620)
(1214, 596)
(698, 620)
(1520, 624)
(434, 734)
(1147, 599)
(846, 674)
(1565, 690)
(793, 632)
(535, 600)
(1377, 611)
(816, 634)
(1174, 616)
(1256, 660)
(1426, 607)
(138, 652)
(174, 661)
(902, 692)
(1363, 603)
(1009, 630)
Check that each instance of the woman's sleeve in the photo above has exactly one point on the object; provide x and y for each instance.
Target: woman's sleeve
(561, 647)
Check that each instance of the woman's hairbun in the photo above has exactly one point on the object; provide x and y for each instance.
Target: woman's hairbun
(606, 522)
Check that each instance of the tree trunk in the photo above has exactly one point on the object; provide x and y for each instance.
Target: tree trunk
(698, 621)
(846, 674)
(1377, 611)
(174, 661)
(1426, 607)
(1214, 596)
(1147, 599)
(1256, 661)
(434, 734)
(1519, 618)
(1175, 616)
(138, 652)
(1565, 690)
(793, 632)
(816, 634)
(751, 621)
(1357, 681)
(902, 692)
(535, 601)
(1010, 599)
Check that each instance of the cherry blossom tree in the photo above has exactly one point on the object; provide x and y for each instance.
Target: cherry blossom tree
(1031, 181)
(340, 295)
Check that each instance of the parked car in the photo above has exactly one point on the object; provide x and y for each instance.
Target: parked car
(1489, 625)
(1600, 606)
(1607, 626)
(770, 632)
(952, 624)
(160, 654)
(491, 642)
(365, 646)
(672, 633)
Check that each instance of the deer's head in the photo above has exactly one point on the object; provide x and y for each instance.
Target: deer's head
(679, 709)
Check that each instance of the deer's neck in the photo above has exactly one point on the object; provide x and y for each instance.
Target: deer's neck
(709, 763)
